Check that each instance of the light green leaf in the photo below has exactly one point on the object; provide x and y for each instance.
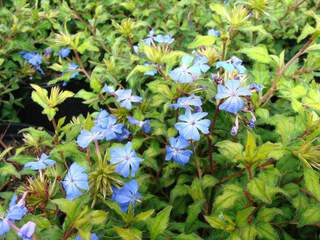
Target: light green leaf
(201, 40)
(258, 53)
(311, 179)
(231, 194)
(306, 31)
(158, 224)
(128, 233)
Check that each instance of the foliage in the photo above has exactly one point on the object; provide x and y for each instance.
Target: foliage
(203, 119)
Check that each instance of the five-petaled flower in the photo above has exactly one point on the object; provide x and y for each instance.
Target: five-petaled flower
(27, 230)
(43, 162)
(126, 160)
(177, 150)
(75, 182)
(125, 98)
(127, 195)
(191, 123)
(188, 102)
(232, 92)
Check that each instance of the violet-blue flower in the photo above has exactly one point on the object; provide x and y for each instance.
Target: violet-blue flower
(125, 159)
(150, 38)
(108, 89)
(164, 39)
(191, 123)
(125, 98)
(153, 71)
(232, 92)
(125, 133)
(42, 163)
(186, 72)
(127, 195)
(177, 150)
(256, 87)
(187, 102)
(27, 230)
(86, 137)
(4, 226)
(213, 32)
(75, 182)
(108, 127)
(33, 58)
(145, 125)
(16, 210)
(72, 67)
(64, 52)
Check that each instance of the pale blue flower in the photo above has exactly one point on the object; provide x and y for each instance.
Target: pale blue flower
(108, 89)
(190, 69)
(86, 137)
(145, 125)
(127, 195)
(213, 32)
(4, 226)
(176, 150)
(64, 52)
(191, 123)
(232, 93)
(150, 38)
(256, 87)
(188, 102)
(33, 58)
(125, 98)
(125, 133)
(72, 67)
(43, 162)
(17, 210)
(164, 39)
(125, 159)
(231, 65)
(27, 230)
(108, 128)
(75, 182)
(152, 71)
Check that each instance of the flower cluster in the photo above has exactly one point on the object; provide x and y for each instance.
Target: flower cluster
(16, 212)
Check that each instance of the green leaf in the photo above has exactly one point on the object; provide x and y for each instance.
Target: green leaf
(9, 170)
(158, 224)
(193, 211)
(243, 215)
(258, 53)
(311, 179)
(311, 215)
(306, 31)
(201, 40)
(229, 149)
(250, 147)
(267, 214)
(249, 232)
(222, 222)
(266, 231)
(231, 194)
(144, 215)
(128, 233)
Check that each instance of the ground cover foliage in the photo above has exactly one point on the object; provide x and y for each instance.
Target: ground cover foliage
(201, 119)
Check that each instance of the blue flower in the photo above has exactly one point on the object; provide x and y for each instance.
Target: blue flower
(125, 159)
(150, 38)
(164, 39)
(86, 137)
(33, 58)
(145, 125)
(191, 123)
(187, 102)
(231, 65)
(64, 52)
(256, 87)
(125, 98)
(43, 162)
(4, 226)
(17, 210)
(177, 151)
(27, 230)
(72, 67)
(232, 92)
(187, 72)
(127, 195)
(125, 133)
(151, 72)
(47, 52)
(213, 32)
(92, 237)
(108, 127)
(200, 64)
(75, 181)
(108, 89)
